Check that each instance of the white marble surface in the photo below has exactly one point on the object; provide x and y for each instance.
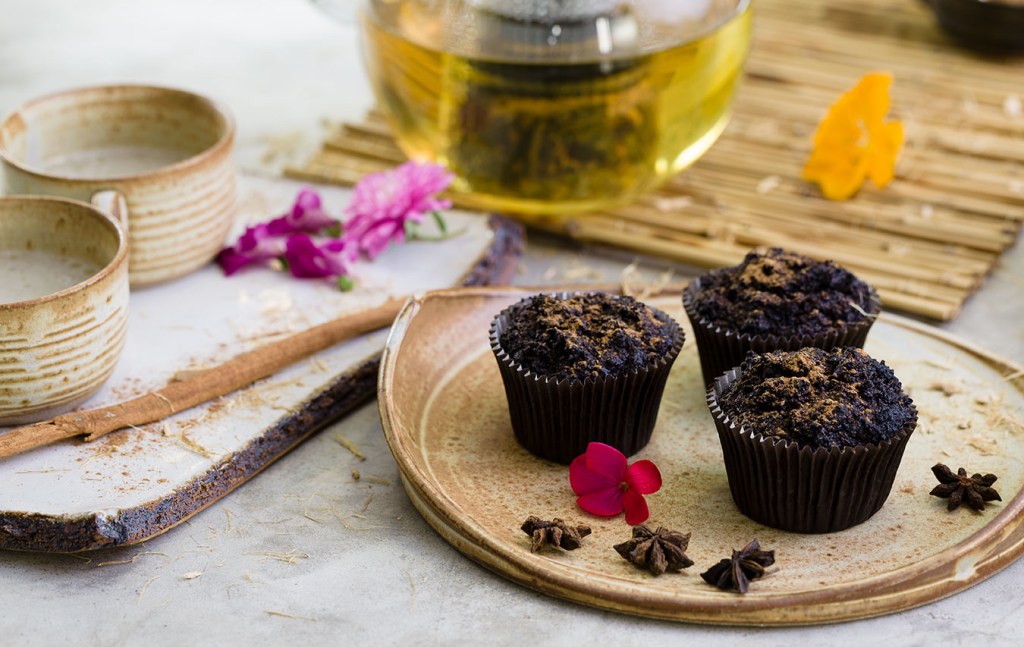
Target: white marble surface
(201, 320)
(303, 552)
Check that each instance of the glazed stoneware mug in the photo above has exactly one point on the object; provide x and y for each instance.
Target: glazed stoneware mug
(63, 304)
(164, 153)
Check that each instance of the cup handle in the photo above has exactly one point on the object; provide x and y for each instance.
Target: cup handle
(113, 204)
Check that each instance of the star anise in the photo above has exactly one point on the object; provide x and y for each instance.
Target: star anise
(960, 488)
(554, 533)
(659, 551)
(745, 564)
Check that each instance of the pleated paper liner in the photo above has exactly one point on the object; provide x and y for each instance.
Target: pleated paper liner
(721, 350)
(926, 242)
(802, 489)
(556, 419)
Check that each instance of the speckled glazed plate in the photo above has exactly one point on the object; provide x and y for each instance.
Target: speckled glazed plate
(446, 421)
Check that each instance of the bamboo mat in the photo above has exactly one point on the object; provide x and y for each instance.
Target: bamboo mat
(926, 242)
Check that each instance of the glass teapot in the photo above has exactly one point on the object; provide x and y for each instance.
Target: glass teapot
(555, 106)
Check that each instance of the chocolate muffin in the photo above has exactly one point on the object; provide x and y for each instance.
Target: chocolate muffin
(776, 300)
(811, 438)
(585, 367)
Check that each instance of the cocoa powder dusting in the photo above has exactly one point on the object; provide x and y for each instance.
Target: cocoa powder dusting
(782, 293)
(818, 398)
(586, 335)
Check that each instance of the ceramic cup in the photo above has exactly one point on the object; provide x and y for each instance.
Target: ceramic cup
(63, 304)
(166, 152)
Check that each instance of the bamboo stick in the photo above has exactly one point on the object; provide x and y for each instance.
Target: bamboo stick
(386, 153)
(870, 208)
(200, 387)
(374, 124)
(927, 281)
(925, 108)
(313, 172)
(366, 130)
(592, 232)
(940, 271)
(757, 161)
(716, 219)
(687, 249)
(862, 215)
(920, 305)
(942, 174)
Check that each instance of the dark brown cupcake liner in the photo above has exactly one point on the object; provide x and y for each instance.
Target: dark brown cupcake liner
(721, 349)
(556, 419)
(802, 489)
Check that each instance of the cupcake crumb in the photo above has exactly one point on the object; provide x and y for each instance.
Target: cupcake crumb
(947, 389)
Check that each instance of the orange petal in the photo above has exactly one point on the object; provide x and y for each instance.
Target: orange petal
(871, 95)
(841, 186)
(840, 125)
(838, 174)
(853, 142)
(886, 141)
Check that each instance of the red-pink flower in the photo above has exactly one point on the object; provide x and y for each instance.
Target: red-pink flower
(383, 203)
(606, 484)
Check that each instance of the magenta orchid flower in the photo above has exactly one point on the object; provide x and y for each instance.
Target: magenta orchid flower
(256, 245)
(606, 484)
(267, 240)
(308, 260)
(383, 203)
(306, 215)
(384, 207)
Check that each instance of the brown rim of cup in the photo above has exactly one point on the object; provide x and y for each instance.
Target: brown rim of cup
(721, 349)
(102, 93)
(120, 255)
(556, 419)
(781, 484)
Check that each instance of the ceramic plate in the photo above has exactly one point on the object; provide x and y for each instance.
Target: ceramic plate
(446, 421)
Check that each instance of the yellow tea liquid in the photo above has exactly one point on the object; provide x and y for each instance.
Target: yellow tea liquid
(550, 138)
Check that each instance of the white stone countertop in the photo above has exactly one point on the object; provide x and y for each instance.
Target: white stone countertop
(346, 572)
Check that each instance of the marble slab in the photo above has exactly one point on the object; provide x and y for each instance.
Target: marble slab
(136, 483)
